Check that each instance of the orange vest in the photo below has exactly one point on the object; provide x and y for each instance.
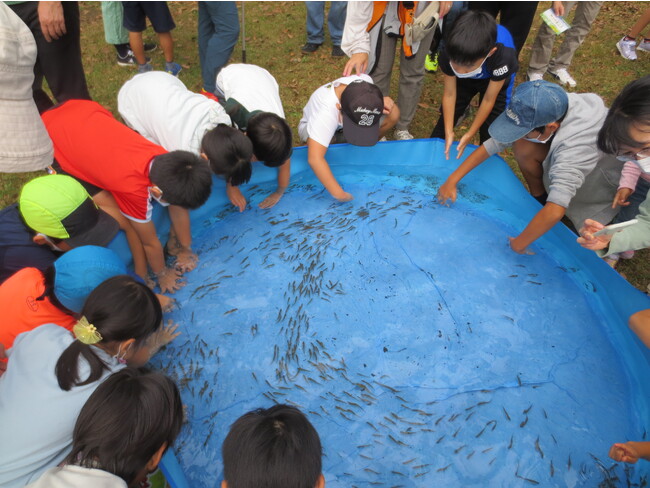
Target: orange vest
(406, 16)
(21, 311)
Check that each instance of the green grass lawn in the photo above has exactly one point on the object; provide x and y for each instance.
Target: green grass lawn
(276, 30)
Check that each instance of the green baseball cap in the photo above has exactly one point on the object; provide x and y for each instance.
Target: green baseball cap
(59, 207)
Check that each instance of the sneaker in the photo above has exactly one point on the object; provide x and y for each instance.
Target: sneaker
(535, 76)
(383, 139)
(310, 47)
(402, 135)
(209, 95)
(564, 77)
(612, 260)
(337, 52)
(144, 68)
(627, 254)
(129, 59)
(431, 62)
(644, 45)
(149, 47)
(627, 49)
(173, 68)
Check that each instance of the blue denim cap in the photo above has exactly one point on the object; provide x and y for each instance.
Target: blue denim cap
(80, 270)
(534, 104)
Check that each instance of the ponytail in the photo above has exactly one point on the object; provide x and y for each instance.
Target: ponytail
(120, 308)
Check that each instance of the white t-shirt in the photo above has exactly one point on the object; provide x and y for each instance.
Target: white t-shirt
(320, 117)
(160, 107)
(77, 477)
(252, 86)
(37, 417)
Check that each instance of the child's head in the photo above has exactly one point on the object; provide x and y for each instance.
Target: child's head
(362, 105)
(62, 214)
(276, 448)
(127, 424)
(117, 317)
(626, 130)
(471, 39)
(182, 177)
(535, 112)
(271, 138)
(229, 153)
(81, 270)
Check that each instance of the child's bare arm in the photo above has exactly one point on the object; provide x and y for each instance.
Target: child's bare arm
(316, 158)
(236, 197)
(162, 337)
(448, 110)
(640, 324)
(284, 173)
(391, 112)
(447, 191)
(186, 260)
(541, 223)
(484, 110)
(167, 277)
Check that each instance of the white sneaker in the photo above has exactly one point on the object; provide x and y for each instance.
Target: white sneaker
(644, 45)
(564, 77)
(535, 76)
(626, 48)
(403, 135)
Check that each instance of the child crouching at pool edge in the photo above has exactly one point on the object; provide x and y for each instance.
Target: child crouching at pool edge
(110, 448)
(275, 448)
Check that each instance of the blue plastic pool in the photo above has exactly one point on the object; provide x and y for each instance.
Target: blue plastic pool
(424, 351)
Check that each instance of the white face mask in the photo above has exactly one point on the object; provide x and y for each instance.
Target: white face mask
(472, 74)
(644, 164)
(537, 140)
(49, 242)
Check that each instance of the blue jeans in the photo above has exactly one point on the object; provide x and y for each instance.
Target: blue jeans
(635, 199)
(316, 20)
(218, 34)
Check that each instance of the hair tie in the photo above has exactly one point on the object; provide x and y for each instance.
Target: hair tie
(85, 332)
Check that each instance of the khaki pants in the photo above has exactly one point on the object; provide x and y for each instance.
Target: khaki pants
(540, 59)
(411, 75)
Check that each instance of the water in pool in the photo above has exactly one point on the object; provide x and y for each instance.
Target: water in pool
(424, 351)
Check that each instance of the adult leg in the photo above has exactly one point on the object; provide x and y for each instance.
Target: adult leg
(543, 46)
(217, 46)
(585, 15)
(59, 61)
(530, 156)
(518, 17)
(315, 22)
(384, 65)
(411, 76)
(465, 91)
(336, 21)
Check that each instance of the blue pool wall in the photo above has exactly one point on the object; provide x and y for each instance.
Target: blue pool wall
(508, 201)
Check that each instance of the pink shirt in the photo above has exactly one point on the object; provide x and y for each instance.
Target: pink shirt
(630, 175)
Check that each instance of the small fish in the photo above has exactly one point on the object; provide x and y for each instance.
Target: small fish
(568, 464)
(440, 440)
(523, 424)
(538, 448)
(443, 469)
(511, 441)
(552, 469)
(525, 412)
(456, 451)
(505, 412)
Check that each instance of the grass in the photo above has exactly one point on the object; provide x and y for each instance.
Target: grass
(276, 30)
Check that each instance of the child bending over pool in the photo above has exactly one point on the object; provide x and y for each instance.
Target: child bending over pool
(123, 170)
(274, 447)
(112, 449)
(51, 372)
(350, 108)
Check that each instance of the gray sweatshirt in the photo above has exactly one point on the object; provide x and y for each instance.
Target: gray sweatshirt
(577, 176)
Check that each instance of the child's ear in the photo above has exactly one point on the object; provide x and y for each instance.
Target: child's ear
(338, 106)
(155, 191)
(205, 156)
(155, 459)
(319, 484)
(39, 239)
(492, 51)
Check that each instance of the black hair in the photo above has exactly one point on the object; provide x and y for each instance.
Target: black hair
(631, 107)
(229, 153)
(271, 138)
(275, 448)
(125, 421)
(48, 280)
(471, 38)
(120, 308)
(183, 178)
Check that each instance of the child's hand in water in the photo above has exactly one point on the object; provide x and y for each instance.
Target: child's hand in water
(186, 260)
(344, 197)
(169, 280)
(164, 336)
(624, 452)
(446, 193)
(166, 303)
(236, 197)
(272, 199)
